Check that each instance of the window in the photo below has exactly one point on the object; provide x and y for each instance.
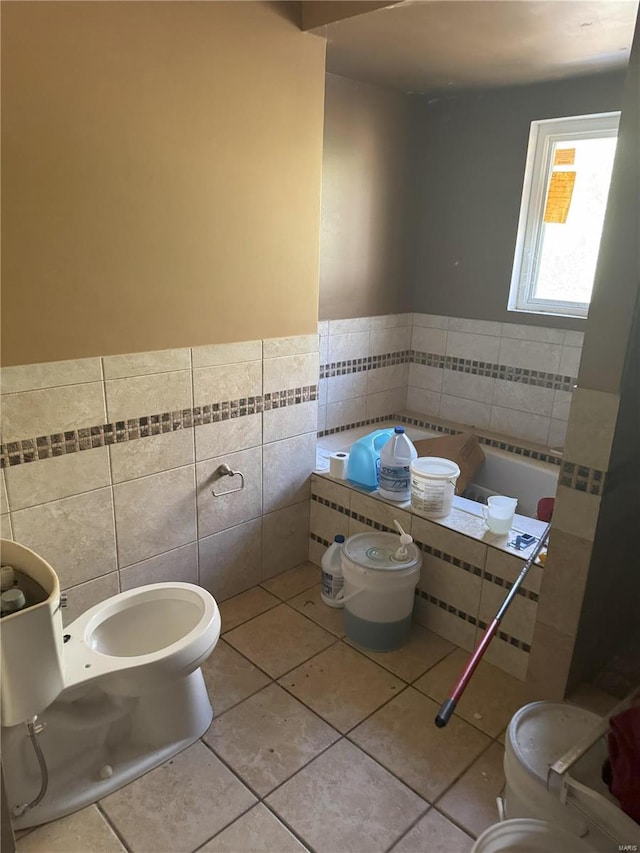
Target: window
(566, 183)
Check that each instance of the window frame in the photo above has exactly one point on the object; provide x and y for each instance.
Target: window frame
(542, 136)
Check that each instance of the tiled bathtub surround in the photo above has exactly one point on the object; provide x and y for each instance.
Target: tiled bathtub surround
(135, 506)
(463, 579)
(505, 378)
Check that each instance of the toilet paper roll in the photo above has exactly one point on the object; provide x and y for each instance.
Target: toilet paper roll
(338, 465)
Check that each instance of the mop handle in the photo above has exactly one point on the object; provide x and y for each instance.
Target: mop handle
(449, 705)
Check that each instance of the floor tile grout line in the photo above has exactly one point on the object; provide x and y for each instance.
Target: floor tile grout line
(408, 829)
(112, 826)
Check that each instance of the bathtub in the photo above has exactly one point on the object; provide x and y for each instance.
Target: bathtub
(501, 473)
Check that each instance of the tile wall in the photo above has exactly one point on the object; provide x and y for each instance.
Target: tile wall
(502, 378)
(463, 580)
(108, 465)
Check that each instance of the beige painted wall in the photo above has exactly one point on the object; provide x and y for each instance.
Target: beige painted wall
(363, 190)
(161, 176)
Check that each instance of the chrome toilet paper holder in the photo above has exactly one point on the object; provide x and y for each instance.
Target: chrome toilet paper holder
(225, 471)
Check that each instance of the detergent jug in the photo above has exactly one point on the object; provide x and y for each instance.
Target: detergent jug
(363, 468)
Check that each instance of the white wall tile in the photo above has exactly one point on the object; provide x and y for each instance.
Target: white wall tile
(449, 541)
(446, 624)
(150, 455)
(592, 424)
(343, 327)
(147, 395)
(5, 526)
(51, 479)
(31, 377)
(519, 620)
(4, 499)
(217, 354)
(294, 345)
(234, 506)
(527, 425)
(385, 378)
(451, 584)
(380, 511)
(290, 421)
(468, 412)
(525, 398)
(229, 436)
(323, 350)
(322, 418)
(382, 341)
(227, 382)
(422, 401)
(562, 405)
(154, 514)
(348, 346)
(533, 355)
(388, 321)
(557, 433)
(291, 371)
(323, 327)
(33, 413)
(230, 561)
(466, 385)
(386, 402)
(346, 387)
(475, 327)
(179, 564)
(346, 412)
(576, 512)
(423, 376)
(75, 535)
(533, 333)
(331, 491)
(570, 361)
(431, 321)
(285, 538)
(286, 471)
(326, 522)
(85, 595)
(427, 339)
(142, 363)
(573, 339)
(475, 347)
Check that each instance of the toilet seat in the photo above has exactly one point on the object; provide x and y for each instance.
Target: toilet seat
(136, 640)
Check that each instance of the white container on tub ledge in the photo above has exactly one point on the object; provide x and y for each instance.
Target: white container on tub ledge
(433, 485)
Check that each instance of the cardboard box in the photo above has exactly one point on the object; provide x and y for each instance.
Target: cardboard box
(464, 449)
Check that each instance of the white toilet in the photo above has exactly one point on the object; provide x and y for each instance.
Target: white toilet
(116, 693)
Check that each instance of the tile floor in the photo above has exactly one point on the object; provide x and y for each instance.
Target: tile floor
(314, 746)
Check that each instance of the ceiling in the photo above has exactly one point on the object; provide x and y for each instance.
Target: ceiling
(436, 46)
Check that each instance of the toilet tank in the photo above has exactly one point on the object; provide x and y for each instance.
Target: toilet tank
(30, 642)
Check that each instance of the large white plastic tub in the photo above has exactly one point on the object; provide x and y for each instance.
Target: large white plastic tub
(524, 835)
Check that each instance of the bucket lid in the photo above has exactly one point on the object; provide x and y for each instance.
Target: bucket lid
(541, 732)
(377, 551)
(526, 835)
(436, 467)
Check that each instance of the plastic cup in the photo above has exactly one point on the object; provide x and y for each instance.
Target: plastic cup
(499, 512)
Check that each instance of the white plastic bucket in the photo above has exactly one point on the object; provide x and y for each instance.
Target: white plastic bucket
(525, 835)
(539, 734)
(433, 484)
(379, 590)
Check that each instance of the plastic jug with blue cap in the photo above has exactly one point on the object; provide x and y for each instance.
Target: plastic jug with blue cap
(363, 468)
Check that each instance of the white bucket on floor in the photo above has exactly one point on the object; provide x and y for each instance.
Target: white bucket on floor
(538, 735)
(379, 590)
(433, 485)
(525, 835)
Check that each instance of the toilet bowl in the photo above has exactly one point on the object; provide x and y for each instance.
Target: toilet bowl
(133, 695)
(136, 641)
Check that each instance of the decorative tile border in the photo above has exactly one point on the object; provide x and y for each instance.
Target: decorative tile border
(518, 449)
(523, 375)
(86, 438)
(358, 365)
(581, 478)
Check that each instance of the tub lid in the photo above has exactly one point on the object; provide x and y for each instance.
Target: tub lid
(527, 835)
(541, 732)
(377, 551)
(436, 467)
